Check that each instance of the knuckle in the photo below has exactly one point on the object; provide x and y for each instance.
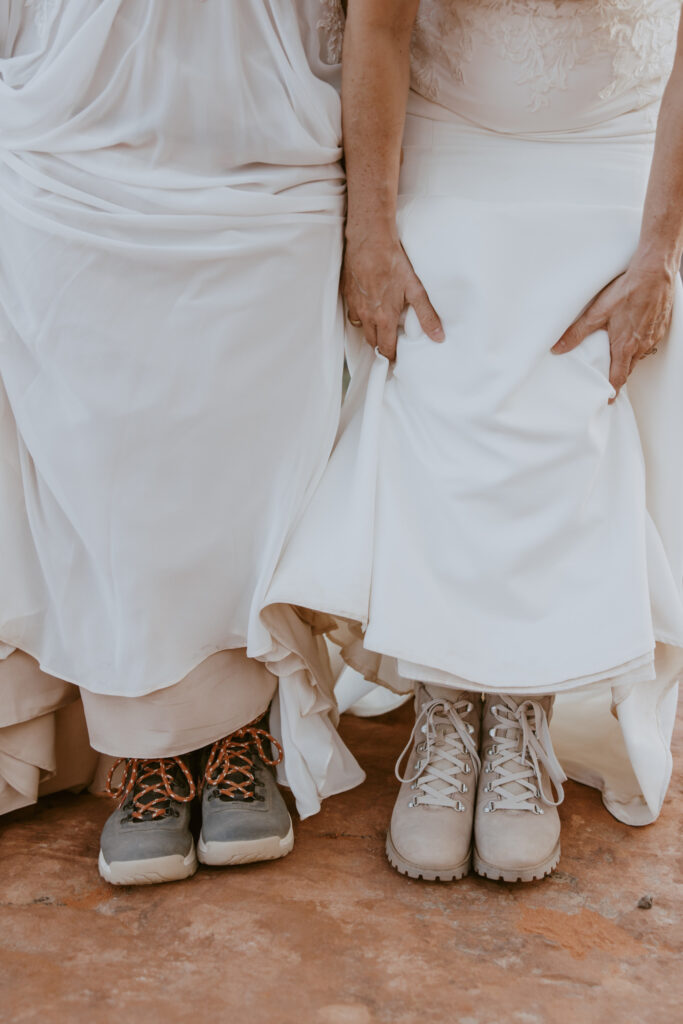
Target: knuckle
(383, 321)
(415, 290)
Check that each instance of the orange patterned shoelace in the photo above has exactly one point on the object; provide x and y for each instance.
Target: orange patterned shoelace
(152, 784)
(230, 766)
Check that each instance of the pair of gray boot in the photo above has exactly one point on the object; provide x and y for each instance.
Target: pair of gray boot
(148, 837)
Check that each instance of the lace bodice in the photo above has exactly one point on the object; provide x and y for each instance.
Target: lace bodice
(543, 41)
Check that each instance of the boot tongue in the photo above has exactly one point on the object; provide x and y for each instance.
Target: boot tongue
(153, 785)
(433, 692)
(512, 702)
(425, 693)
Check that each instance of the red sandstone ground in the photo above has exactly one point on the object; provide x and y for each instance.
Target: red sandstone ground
(332, 935)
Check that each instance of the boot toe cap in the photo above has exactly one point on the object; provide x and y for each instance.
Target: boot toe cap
(432, 841)
(517, 840)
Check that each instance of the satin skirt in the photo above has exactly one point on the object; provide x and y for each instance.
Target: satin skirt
(487, 519)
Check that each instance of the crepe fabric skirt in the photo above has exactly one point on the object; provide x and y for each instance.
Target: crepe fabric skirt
(487, 519)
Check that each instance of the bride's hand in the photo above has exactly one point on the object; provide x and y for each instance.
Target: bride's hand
(635, 310)
(378, 282)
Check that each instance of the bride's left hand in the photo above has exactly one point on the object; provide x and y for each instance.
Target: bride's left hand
(635, 310)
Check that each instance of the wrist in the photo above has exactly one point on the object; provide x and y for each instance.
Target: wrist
(658, 255)
(381, 227)
(657, 261)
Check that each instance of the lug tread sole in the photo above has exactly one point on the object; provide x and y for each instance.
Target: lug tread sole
(531, 874)
(150, 871)
(245, 851)
(406, 867)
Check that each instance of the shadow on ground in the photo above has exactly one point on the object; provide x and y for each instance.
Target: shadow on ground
(332, 935)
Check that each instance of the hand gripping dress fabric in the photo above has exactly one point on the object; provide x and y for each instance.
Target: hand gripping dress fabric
(487, 520)
(171, 205)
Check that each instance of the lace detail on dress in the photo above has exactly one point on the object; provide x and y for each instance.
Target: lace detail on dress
(331, 22)
(646, 39)
(548, 39)
(441, 41)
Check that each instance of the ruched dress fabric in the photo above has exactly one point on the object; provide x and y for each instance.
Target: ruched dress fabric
(171, 347)
(487, 519)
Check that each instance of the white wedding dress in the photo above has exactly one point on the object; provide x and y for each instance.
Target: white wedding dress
(487, 520)
(171, 347)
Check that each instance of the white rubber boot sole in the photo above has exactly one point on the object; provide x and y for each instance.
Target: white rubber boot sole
(244, 851)
(531, 874)
(406, 867)
(150, 871)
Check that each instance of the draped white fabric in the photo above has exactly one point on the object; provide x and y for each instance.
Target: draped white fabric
(171, 347)
(487, 520)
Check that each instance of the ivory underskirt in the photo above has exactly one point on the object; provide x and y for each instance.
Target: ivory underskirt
(55, 736)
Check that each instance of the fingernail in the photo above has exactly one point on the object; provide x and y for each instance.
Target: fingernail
(438, 335)
(557, 348)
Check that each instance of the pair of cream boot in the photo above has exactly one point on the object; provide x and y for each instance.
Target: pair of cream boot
(478, 788)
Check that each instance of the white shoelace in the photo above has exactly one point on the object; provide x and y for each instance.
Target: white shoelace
(521, 757)
(447, 739)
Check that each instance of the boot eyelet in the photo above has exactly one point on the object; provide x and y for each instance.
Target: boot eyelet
(413, 785)
(488, 769)
(470, 708)
(492, 732)
(464, 788)
(491, 751)
(467, 770)
(470, 728)
(459, 806)
(494, 709)
(488, 787)
(412, 803)
(421, 747)
(537, 809)
(488, 808)
(423, 729)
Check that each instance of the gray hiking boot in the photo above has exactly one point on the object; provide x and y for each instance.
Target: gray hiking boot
(147, 839)
(244, 817)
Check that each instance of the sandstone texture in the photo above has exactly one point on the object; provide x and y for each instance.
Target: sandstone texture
(332, 935)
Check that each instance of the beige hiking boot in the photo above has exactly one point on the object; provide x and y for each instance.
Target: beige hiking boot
(431, 826)
(517, 827)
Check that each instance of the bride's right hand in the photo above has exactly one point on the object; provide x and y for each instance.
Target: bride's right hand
(378, 282)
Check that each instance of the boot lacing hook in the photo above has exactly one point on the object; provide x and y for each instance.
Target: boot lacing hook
(230, 765)
(536, 751)
(449, 747)
(152, 784)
